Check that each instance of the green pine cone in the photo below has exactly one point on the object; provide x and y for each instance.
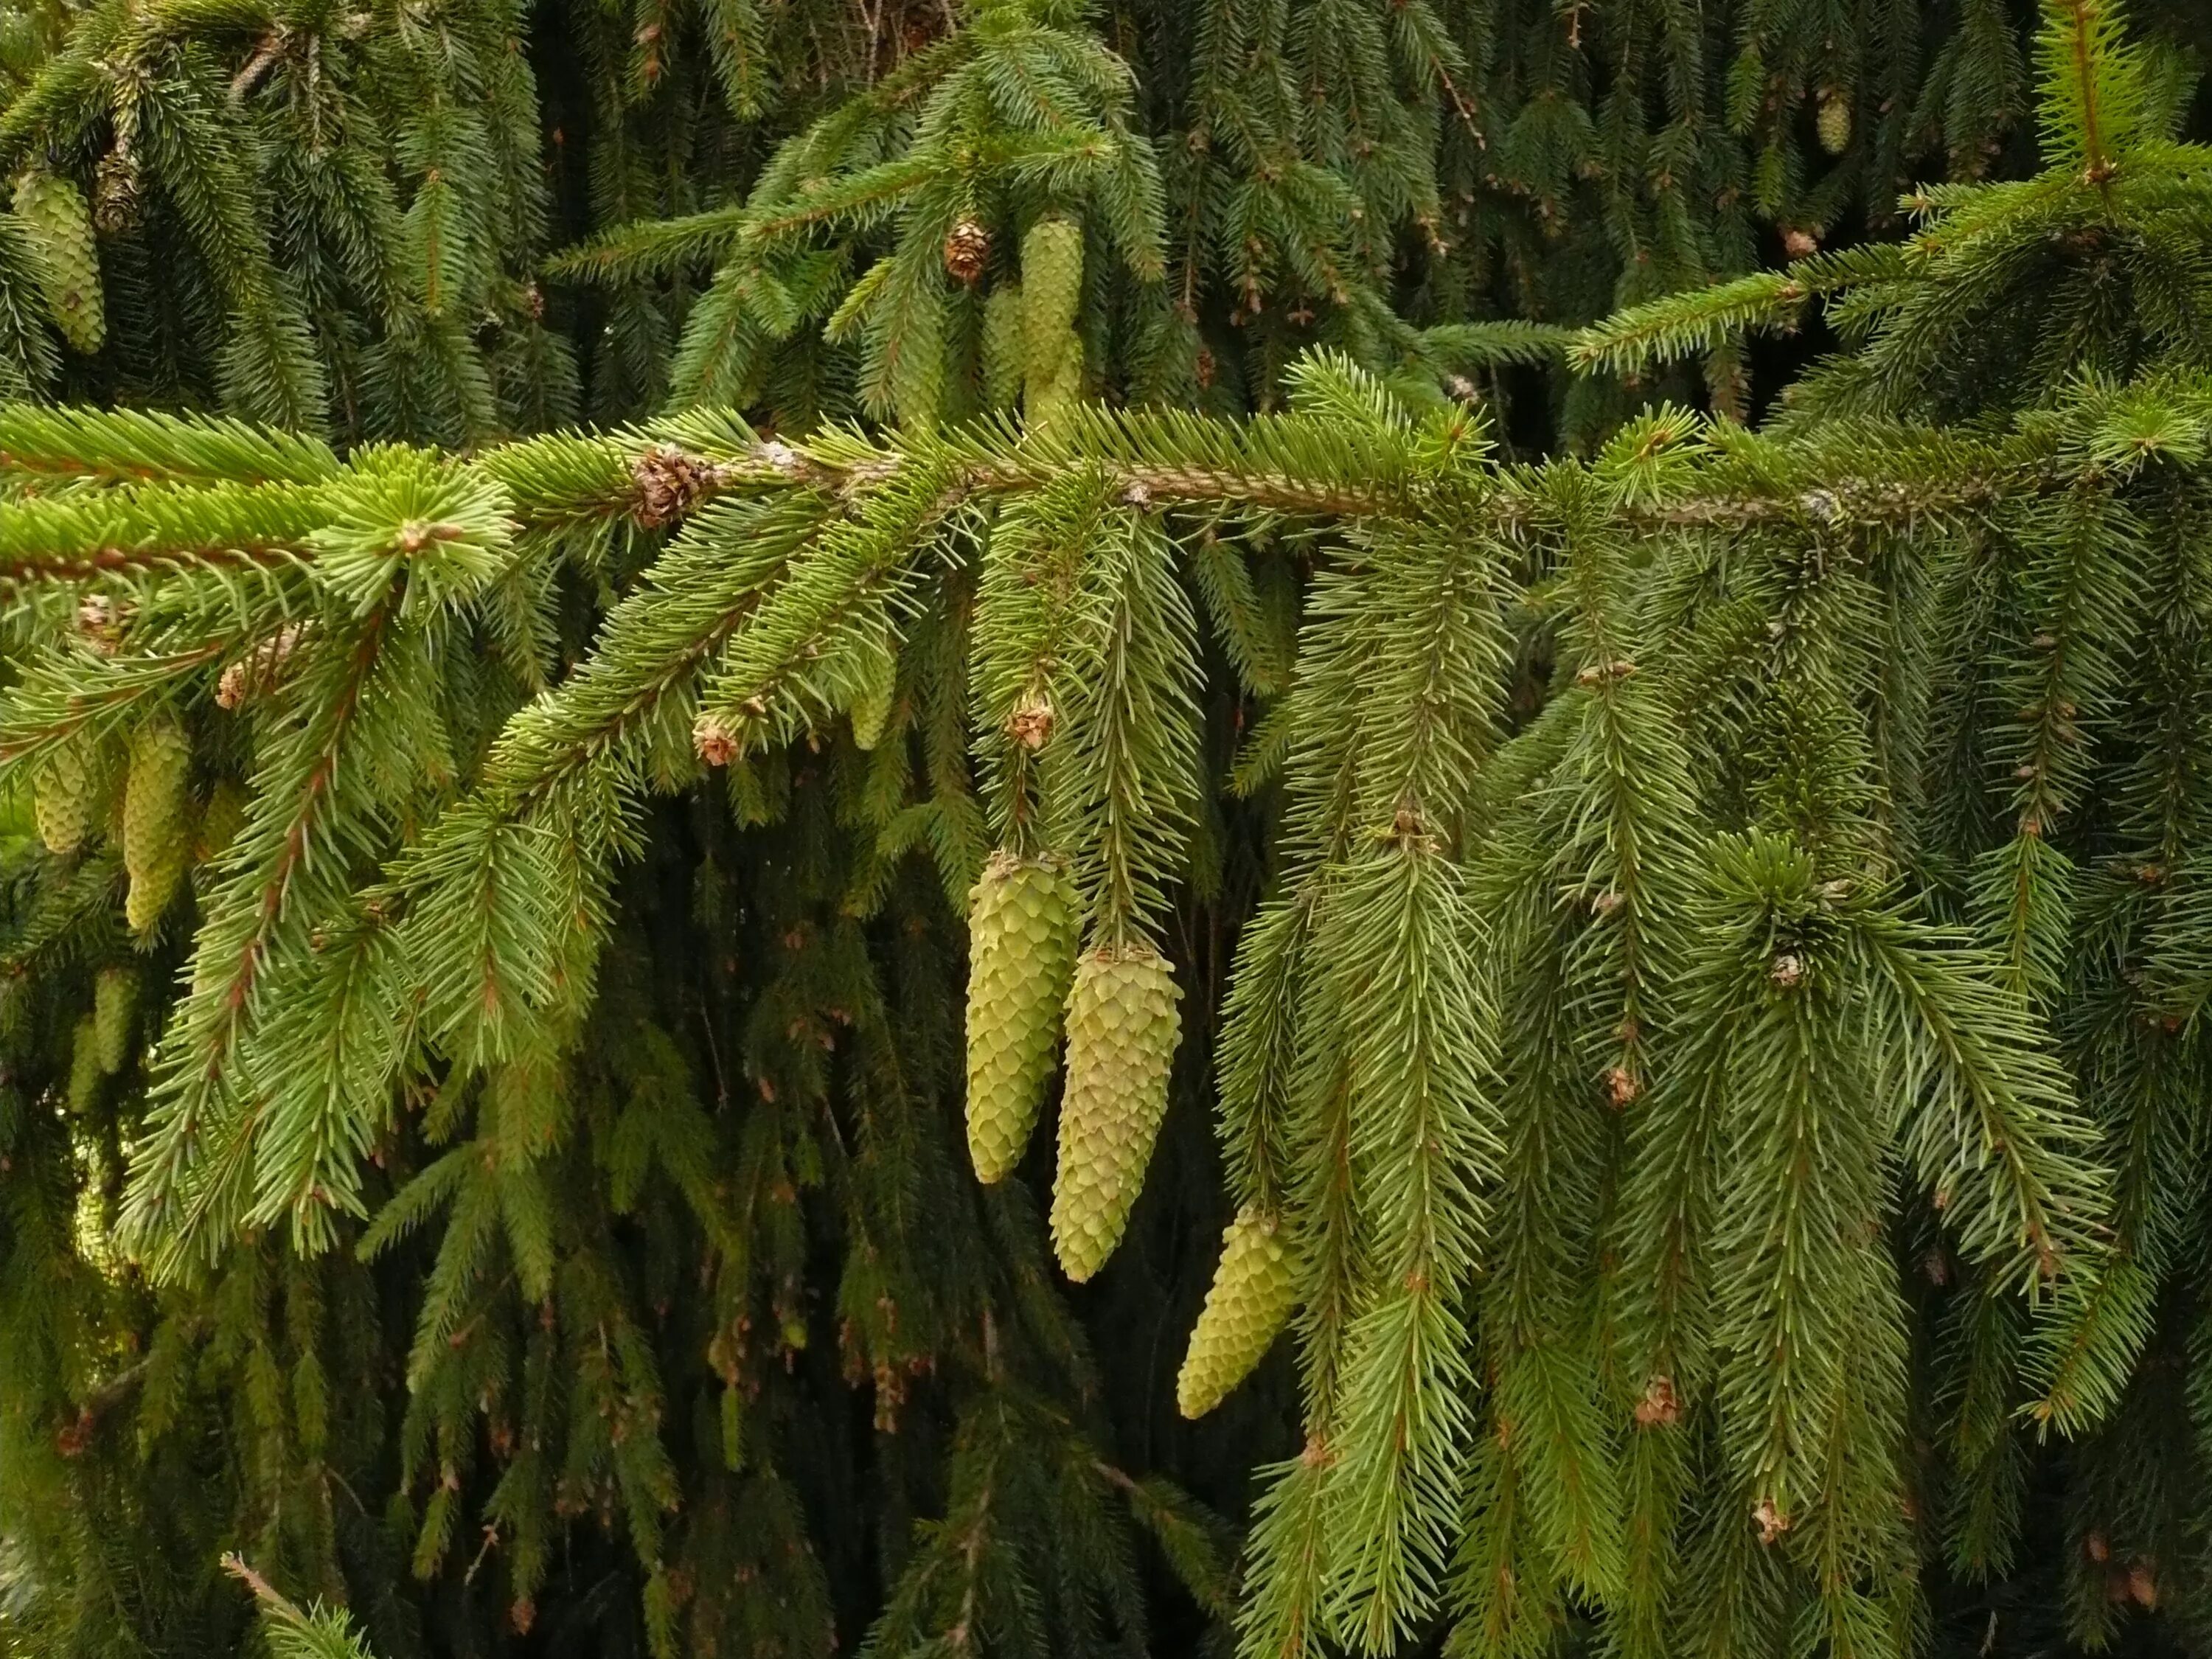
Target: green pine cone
(1122, 1027)
(65, 798)
(1003, 349)
(114, 1000)
(220, 823)
(69, 265)
(870, 708)
(1833, 120)
(1051, 289)
(84, 1065)
(157, 838)
(1245, 1311)
(1021, 937)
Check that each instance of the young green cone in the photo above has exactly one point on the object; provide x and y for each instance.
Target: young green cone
(65, 798)
(1022, 925)
(60, 225)
(114, 1000)
(84, 1066)
(1051, 289)
(156, 840)
(1245, 1312)
(1122, 1027)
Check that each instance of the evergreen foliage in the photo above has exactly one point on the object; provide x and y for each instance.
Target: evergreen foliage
(1158, 566)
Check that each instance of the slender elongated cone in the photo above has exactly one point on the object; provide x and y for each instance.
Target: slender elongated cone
(870, 709)
(60, 224)
(224, 816)
(1251, 1298)
(65, 798)
(1003, 352)
(1122, 1027)
(157, 839)
(1022, 923)
(1052, 286)
(84, 1065)
(114, 1000)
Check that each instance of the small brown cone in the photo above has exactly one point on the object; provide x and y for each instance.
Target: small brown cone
(967, 251)
(65, 798)
(157, 839)
(1254, 1289)
(1022, 924)
(1122, 1027)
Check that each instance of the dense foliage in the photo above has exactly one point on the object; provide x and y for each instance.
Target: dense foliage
(1470, 737)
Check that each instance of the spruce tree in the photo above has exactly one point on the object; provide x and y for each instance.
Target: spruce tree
(1540, 672)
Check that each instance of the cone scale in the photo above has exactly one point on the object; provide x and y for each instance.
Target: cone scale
(1122, 1027)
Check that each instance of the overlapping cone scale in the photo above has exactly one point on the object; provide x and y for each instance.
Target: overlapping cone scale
(1253, 1291)
(65, 799)
(157, 838)
(1122, 1027)
(1022, 924)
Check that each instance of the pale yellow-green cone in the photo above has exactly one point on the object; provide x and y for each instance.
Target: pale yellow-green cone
(53, 210)
(65, 798)
(114, 1000)
(1051, 289)
(157, 838)
(1833, 120)
(1122, 1027)
(1245, 1311)
(1021, 935)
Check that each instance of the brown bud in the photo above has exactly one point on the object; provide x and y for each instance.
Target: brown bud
(1031, 724)
(716, 741)
(1787, 970)
(1661, 1406)
(1770, 1521)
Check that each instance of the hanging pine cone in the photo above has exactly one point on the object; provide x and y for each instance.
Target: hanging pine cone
(1833, 117)
(224, 816)
(1022, 923)
(64, 797)
(1002, 346)
(52, 209)
(1253, 1291)
(967, 252)
(870, 710)
(156, 840)
(1122, 1027)
(114, 1000)
(84, 1066)
(115, 188)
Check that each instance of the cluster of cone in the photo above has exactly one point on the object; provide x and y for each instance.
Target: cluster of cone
(1031, 347)
(1119, 1009)
(142, 801)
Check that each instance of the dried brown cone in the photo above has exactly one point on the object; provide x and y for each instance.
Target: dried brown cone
(115, 192)
(669, 483)
(257, 670)
(715, 740)
(967, 252)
